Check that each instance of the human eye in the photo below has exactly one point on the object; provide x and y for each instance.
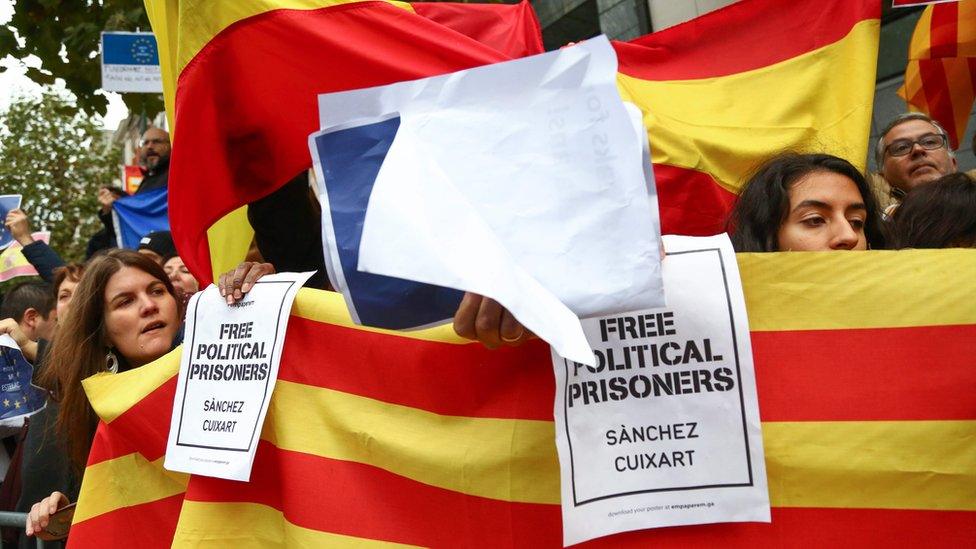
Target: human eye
(814, 221)
(856, 223)
(931, 141)
(899, 147)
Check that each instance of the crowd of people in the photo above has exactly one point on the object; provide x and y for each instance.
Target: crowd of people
(121, 309)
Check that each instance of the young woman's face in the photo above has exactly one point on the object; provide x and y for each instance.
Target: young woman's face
(827, 212)
(180, 276)
(65, 291)
(141, 316)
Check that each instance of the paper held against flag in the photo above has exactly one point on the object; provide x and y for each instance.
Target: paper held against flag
(510, 180)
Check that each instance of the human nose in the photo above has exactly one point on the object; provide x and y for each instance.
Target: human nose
(844, 237)
(147, 305)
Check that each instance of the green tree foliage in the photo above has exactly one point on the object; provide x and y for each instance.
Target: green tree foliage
(65, 35)
(54, 155)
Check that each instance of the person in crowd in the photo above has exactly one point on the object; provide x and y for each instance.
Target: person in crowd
(805, 202)
(37, 252)
(941, 214)
(184, 282)
(154, 158)
(66, 279)
(105, 238)
(31, 305)
(124, 314)
(913, 150)
(157, 245)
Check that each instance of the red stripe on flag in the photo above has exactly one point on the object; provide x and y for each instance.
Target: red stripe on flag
(923, 373)
(511, 29)
(249, 107)
(944, 32)
(814, 527)
(359, 500)
(744, 36)
(691, 202)
(816, 375)
(143, 428)
(937, 96)
(449, 379)
(148, 525)
(368, 502)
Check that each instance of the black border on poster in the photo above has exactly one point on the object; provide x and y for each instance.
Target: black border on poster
(742, 409)
(274, 349)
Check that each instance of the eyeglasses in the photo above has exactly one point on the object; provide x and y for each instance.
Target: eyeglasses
(929, 142)
(157, 141)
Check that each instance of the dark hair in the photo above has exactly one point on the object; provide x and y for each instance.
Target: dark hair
(32, 294)
(71, 271)
(80, 344)
(940, 214)
(765, 200)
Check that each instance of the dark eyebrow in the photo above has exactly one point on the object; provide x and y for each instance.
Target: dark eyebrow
(824, 205)
(812, 204)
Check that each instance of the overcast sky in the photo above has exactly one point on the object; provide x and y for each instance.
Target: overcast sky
(13, 81)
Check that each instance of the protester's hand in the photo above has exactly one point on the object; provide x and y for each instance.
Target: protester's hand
(234, 284)
(485, 320)
(105, 199)
(19, 226)
(41, 512)
(10, 327)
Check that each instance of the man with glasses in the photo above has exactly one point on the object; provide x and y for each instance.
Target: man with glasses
(154, 154)
(913, 150)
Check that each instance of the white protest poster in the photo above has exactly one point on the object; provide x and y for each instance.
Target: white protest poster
(664, 430)
(227, 374)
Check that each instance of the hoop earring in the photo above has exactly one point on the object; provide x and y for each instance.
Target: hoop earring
(111, 362)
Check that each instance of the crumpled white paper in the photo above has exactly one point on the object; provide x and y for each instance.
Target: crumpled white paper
(522, 181)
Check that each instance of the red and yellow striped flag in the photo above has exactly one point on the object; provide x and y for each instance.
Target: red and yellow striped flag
(728, 90)
(719, 93)
(867, 390)
(940, 78)
(241, 80)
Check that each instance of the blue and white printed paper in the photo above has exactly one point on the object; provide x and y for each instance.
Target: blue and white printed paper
(19, 398)
(7, 202)
(130, 62)
(347, 160)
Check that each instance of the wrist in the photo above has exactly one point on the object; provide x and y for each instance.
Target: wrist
(24, 239)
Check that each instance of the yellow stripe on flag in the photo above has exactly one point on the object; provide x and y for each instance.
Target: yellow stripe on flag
(503, 459)
(126, 481)
(966, 32)
(204, 524)
(725, 126)
(112, 394)
(890, 464)
(806, 291)
(872, 464)
(329, 307)
(205, 19)
(229, 239)
(920, 47)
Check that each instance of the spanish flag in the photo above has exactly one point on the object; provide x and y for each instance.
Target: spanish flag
(726, 91)
(720, 93)
(241, 81)
(940, 78)
(867, 393)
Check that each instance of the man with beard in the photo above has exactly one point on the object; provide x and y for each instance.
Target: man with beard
(913, 150)
(155, 159)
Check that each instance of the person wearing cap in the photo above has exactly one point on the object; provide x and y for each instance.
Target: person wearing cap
(157, 245)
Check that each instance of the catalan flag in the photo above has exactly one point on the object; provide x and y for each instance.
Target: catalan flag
(867, 394)
(241, 80)
(940, 78)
